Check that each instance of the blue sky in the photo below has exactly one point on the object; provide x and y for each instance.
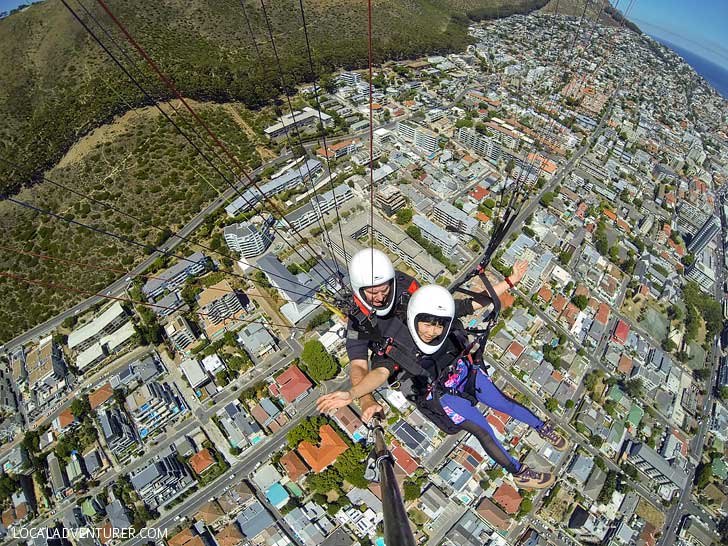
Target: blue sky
(699, 26)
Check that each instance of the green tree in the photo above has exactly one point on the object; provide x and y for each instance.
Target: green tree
(80, 407)
(552, 404)
(547, 198)
(412, 491)
(581, 301)
(633, 388)
(321, 365)
(570, 403)
(404, 216)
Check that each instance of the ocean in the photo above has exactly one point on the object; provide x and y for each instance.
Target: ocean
(715, 75)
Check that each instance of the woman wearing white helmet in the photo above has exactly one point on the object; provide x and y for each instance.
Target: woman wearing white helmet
(459, 383)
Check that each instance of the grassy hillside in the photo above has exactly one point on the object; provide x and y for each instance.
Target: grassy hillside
(56, 84)
(140, 165)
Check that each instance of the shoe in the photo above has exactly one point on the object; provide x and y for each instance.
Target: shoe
(548, 433)
(528, 478)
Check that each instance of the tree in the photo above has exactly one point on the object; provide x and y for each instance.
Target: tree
(633, 388)
(668, 345)
(404, 216)
(547, 199)
(321, 365)
(412, 491)
(525, 508)
(581, 301)
(570, 403)
(724, 393)
(80, 407)
(552, 404)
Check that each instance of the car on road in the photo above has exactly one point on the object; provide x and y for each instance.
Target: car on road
(232, 476)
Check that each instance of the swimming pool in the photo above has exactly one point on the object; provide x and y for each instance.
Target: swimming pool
(379, 541)
(357, 436)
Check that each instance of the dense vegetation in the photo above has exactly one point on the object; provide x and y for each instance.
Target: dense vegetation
(142, 168)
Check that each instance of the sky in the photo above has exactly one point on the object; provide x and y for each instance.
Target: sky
(699, 26)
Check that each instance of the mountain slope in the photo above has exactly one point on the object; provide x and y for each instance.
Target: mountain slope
(56, 83)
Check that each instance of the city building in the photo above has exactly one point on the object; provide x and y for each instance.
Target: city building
(704, 235)
(44, 365)
(106, 323)
(118, 431)
(249, 239)
(389, 199)
(340, 149)
(420, 137)
(451, 216)
(653, 465)
(256, 339)
(314, 211)
(221, 308)
(434, 234)
(194, 373)
(175, 276)
(304, 119)
(161, 481)
(291, 176)
(180, 333)
(153, 405)
(291, 385)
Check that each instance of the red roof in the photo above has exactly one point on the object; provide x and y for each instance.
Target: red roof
(545, 293)
(506, 301)
(330, 447)
(479, 193)
(493, 514)
(482, 217)
(100, 395)
(603, 313)
(295, 467)
(496, 423)
(201, 461)
(515, 348)
(65, 418)
(404, 460)
(621, 330)
(609, 214)
(292, 384)
(559, 303)
(581, 290)
(508, 498)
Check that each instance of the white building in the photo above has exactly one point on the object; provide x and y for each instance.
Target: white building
(422, 138)
(248, 239)
(434, 234)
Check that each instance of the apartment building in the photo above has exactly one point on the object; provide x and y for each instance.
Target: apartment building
(249, 239)
(174, 277)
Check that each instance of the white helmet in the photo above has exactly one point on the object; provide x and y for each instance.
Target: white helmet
(430, 303)
(371, 267)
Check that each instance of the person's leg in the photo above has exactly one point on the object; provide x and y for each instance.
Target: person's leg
(487, 393)
(469, 418)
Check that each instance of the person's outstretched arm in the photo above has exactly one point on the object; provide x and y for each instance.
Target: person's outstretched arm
(370, 382)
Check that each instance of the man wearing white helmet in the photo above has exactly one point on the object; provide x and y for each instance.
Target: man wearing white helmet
(380, 296)
(446, 384)
(380, 293)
